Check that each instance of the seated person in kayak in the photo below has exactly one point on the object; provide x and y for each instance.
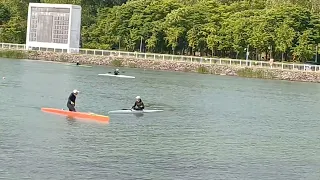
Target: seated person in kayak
(138, 105)
(78, 63)
(72, 100)
(116, 72)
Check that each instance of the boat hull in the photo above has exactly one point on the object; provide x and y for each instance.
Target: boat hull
(77, 115)
(129, 111)
(120, 76)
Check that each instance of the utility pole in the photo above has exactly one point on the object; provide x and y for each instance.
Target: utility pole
(141, 45)
(247, 55)
(119, 43)
(317, 54)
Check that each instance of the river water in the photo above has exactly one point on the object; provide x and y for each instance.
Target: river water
(212, 127)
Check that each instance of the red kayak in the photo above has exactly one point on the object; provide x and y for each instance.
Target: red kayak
(77, 115)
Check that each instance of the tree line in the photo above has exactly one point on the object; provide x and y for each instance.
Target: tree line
(280, 29)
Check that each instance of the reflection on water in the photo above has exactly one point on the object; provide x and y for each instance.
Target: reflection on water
(212, 127)
(139, 115)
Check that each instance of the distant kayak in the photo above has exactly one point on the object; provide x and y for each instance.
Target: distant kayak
(120, 76)
(77, 115)
(129, 111)
(84, 66)
(80, 65)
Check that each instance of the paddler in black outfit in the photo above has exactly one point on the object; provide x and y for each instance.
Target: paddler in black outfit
(116, 72)
(138, 105)
(78, 63)
(72, 100)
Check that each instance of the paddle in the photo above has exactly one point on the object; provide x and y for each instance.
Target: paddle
(131, 109)
(112, 72)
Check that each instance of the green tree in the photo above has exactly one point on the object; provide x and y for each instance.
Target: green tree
(172, 36)
(304, 50)
(13, 31)
(284, 39)
(4, 14)
(217, 27)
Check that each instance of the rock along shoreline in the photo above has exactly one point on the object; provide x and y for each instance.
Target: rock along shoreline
(116, 61)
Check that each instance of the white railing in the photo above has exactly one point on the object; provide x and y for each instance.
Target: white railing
(177, 58)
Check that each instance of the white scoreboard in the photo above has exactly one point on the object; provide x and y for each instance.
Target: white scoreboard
(55, 26)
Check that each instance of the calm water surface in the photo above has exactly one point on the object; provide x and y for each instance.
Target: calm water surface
(212, 127)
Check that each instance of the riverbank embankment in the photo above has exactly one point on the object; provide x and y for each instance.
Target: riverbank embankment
(116, 61)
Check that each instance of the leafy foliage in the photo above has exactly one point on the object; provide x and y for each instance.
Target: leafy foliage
(280, 29)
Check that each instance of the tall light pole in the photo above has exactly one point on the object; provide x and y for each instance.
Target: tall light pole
(247, 54)
(119, 38)
(317, 53)
(141, 45)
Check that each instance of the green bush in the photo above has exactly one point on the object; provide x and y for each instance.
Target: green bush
(254, 73)
(116, 63)
(202, 70)
(13, 54)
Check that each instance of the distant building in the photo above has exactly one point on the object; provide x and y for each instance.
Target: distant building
(54, 26)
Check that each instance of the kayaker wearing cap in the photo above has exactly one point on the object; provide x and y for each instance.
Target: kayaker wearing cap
(116, 72)
(72, 100)
(138, 105)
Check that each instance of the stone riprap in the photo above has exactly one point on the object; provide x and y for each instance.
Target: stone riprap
(229, 70)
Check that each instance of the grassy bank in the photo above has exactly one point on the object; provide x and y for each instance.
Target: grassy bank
(14, 54)
(229, 70)
(202, 70)
(255, 73)
(116, 63)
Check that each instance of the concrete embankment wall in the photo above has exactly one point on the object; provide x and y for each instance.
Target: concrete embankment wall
(253, 72)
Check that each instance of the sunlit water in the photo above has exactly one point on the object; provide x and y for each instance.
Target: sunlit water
(212, 127)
